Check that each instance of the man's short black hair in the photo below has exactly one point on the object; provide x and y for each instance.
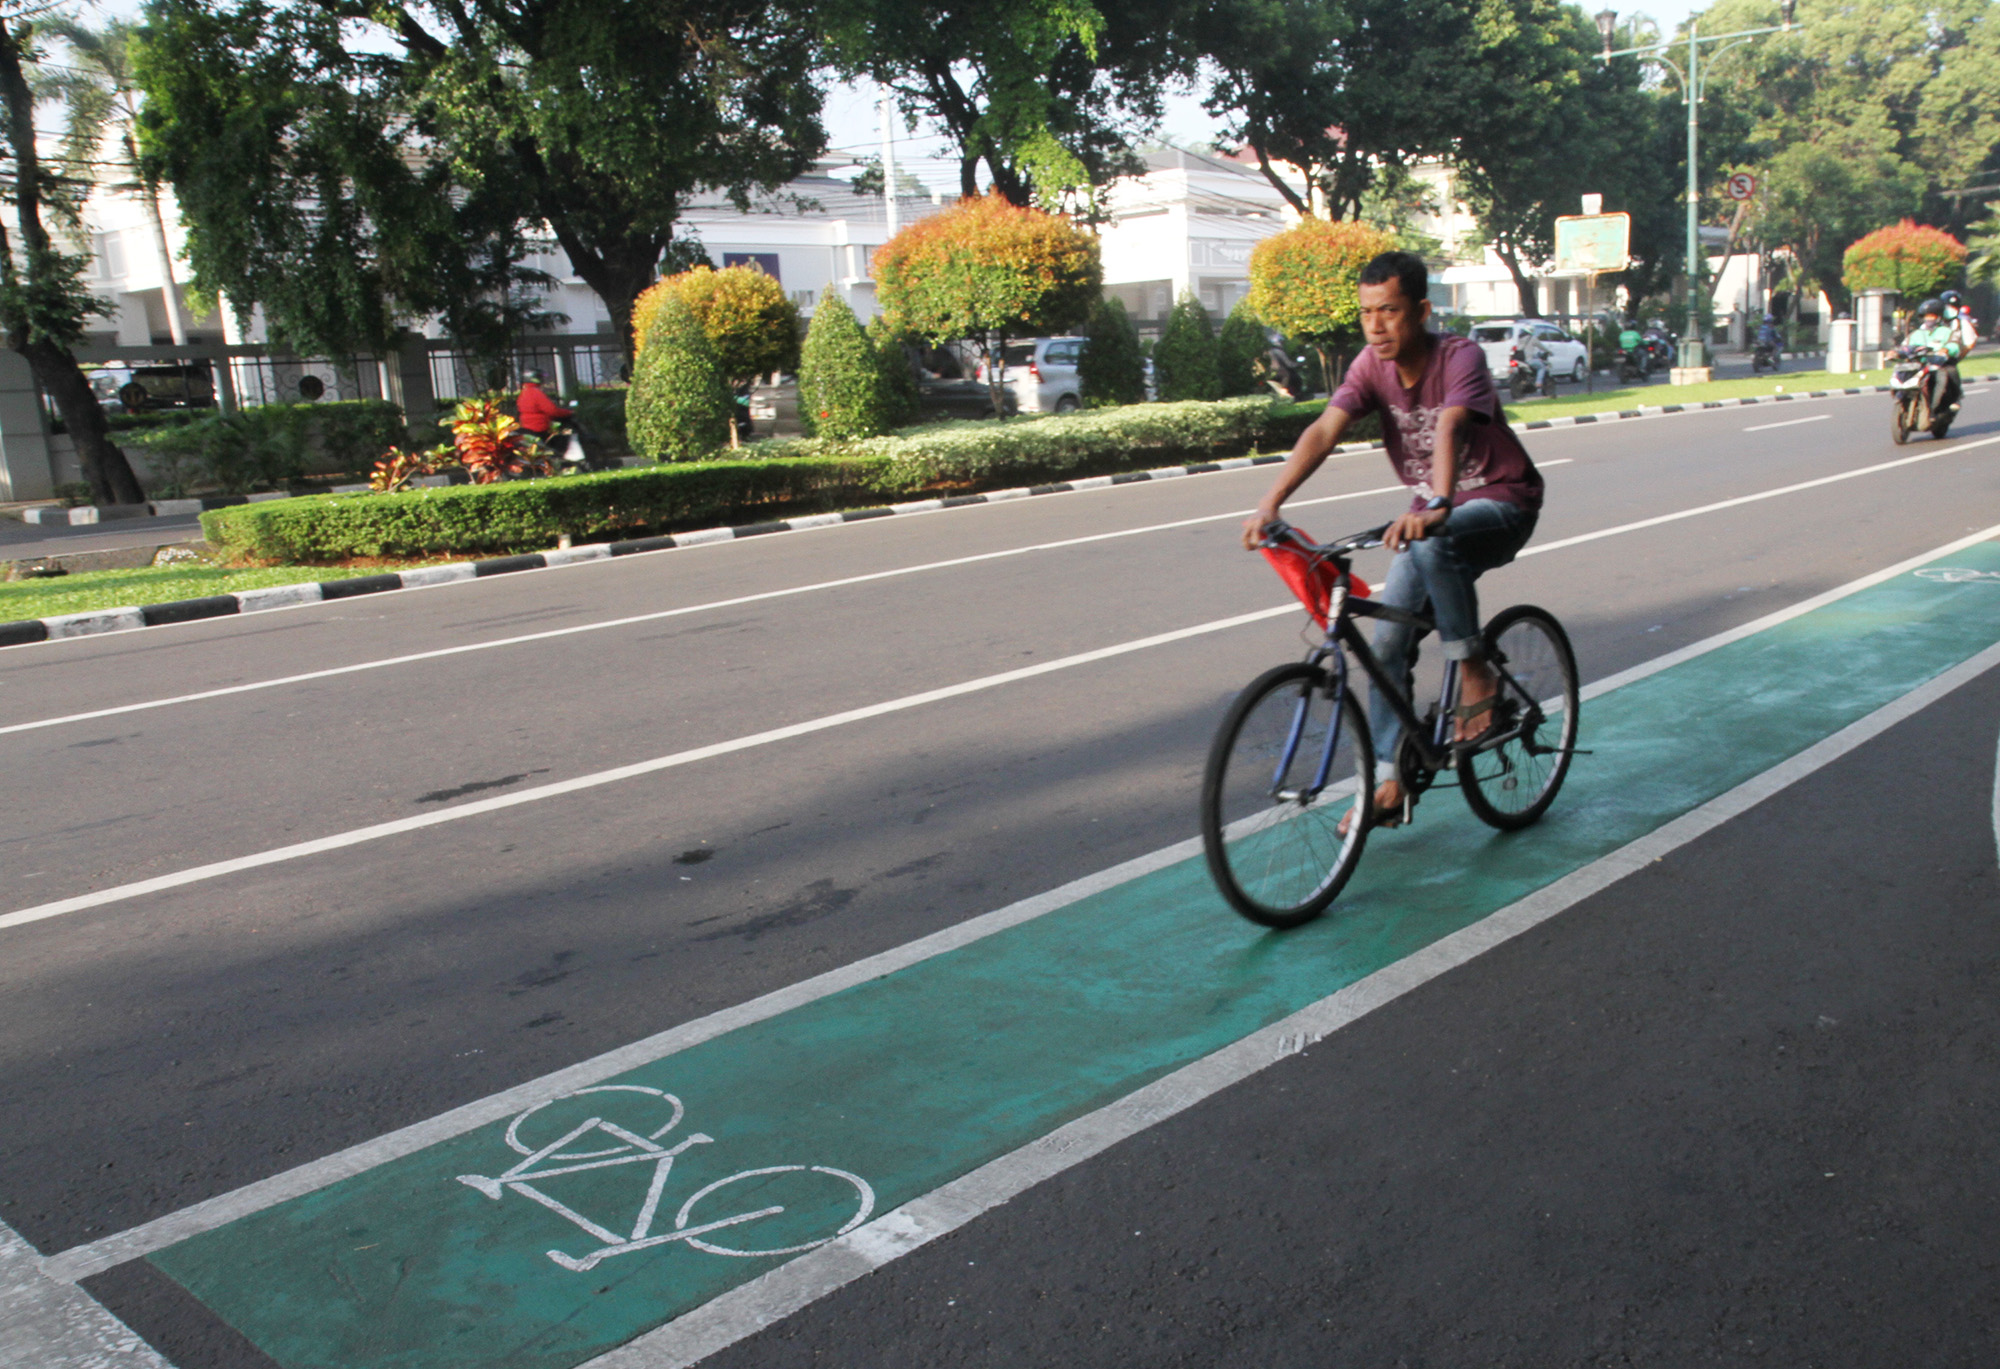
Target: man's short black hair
(1406, 268)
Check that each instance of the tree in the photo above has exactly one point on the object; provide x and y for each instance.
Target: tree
(351, 163)
(43, 302)
(988, 270)
(840, 382)
(1047, 95)
(679, 404)
(1238, 349)
(1112, 369)
(1302, 282)
(1184, 359)
(99, 92)
(1911, 258)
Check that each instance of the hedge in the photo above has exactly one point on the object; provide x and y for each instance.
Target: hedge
(787, 478)
(268, 444)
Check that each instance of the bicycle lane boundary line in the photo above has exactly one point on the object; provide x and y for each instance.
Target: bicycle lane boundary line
(1022, 1033)
(106, 1252)
(50, 1324)
(776, 1294)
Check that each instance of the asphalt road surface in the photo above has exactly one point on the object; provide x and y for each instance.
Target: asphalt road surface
(1729, 1106)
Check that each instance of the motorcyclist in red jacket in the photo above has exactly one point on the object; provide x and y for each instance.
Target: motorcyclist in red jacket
(536, 410)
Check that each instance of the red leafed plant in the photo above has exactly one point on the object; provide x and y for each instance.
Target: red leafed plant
(398, 468)
(492, 446)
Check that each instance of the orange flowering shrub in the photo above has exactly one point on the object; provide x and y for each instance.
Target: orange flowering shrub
(985, 266)
(1910, 257)
(1302, 282)
(750, 321)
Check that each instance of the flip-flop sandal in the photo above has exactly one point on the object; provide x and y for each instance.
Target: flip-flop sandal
(1465, 713)
(1390, 815)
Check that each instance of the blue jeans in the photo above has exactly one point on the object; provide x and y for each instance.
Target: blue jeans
(1480, 535)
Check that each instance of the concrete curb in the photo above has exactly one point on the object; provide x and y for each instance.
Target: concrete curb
(50, 514)
(29, 631)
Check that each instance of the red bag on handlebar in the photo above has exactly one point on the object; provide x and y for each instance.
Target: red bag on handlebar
(1311, 578)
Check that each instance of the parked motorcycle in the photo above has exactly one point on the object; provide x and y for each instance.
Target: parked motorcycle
(1912, 388)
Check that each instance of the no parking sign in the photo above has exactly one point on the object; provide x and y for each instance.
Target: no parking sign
(1740, 186)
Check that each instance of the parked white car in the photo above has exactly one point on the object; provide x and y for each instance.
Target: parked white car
(1569, 359)
(1042, 375)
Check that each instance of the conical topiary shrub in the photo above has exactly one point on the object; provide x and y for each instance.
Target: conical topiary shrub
(900, 398)
(1184, 359)
(840, 388)
(1112, 369)
(679, 406)
(1237, 351)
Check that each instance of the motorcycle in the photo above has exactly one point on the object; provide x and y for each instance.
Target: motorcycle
(1662, 346)
(567, 450)
(1764, 358)
(1522, 380)
(1911, 389)
(1634, 364)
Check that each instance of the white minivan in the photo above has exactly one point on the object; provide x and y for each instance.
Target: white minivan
(1568, 358)
(1042, 374)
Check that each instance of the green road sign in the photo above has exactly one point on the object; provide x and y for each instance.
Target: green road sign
(1588, 243)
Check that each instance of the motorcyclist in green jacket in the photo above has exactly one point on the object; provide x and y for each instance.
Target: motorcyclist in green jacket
(1934, 335)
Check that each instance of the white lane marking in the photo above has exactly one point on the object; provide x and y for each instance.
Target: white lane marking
(551, 634)
(85, 1260)
(52, 1324)
(1743, 499)
(377, 831)
(752, 1306)
(1788, 423)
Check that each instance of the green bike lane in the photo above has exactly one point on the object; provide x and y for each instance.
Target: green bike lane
(897, 1086)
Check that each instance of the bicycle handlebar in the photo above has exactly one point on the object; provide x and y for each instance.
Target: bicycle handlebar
(1278, 530)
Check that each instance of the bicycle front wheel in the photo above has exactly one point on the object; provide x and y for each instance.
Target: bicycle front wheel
(1291, 760)
(1511, 780)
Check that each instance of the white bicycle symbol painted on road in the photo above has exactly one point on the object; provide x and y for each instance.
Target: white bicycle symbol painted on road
(640, 1145)
(1959, 575)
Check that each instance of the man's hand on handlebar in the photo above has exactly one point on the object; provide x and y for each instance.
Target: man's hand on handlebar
(1256, 526)
(1413, 527)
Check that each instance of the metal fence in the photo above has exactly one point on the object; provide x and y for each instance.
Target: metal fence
(569, 363)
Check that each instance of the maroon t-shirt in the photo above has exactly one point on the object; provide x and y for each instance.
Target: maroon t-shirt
(1493, 464)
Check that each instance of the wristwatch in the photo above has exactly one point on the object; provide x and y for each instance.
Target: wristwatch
(1436, 502)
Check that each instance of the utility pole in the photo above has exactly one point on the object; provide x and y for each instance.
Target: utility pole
(1694, 346)
(889, 162)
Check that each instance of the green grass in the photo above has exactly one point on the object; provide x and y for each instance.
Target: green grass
(86, 591)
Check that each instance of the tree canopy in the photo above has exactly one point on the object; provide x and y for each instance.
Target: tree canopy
(350, 165)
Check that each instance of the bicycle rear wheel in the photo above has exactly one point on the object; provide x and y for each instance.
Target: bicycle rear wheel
(1510, 781)
(1291, 759)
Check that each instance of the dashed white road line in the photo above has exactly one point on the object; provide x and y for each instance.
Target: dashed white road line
(1788, 423)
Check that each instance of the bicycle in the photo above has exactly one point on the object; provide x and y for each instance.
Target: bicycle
(1293, 757)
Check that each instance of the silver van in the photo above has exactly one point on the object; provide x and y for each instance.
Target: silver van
(1042, 375)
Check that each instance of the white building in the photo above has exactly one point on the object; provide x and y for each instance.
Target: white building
(1188, 223)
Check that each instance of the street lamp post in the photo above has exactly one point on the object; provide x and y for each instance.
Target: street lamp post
(1694, 347)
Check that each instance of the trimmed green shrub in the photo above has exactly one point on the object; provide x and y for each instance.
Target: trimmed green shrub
(269, 445)
(1184, 359)
(1238, 350)
(898, 394)
(1112, 369)
(679, 405)
(840, 385)
(799, 475)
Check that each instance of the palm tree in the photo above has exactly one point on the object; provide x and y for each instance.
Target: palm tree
(100, 99)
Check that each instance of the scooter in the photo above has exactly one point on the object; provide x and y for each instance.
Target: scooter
(1634, 364)
(567, 450)
(1523, 380)
(1911, 388)
(1764, 357)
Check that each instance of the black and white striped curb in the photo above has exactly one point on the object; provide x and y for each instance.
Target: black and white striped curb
(100, 621)
(31, 630)
(159, 508)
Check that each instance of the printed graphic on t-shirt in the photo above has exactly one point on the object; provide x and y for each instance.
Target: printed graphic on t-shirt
(1417, 425)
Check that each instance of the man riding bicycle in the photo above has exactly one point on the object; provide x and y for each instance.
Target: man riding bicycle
(1477, 493)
